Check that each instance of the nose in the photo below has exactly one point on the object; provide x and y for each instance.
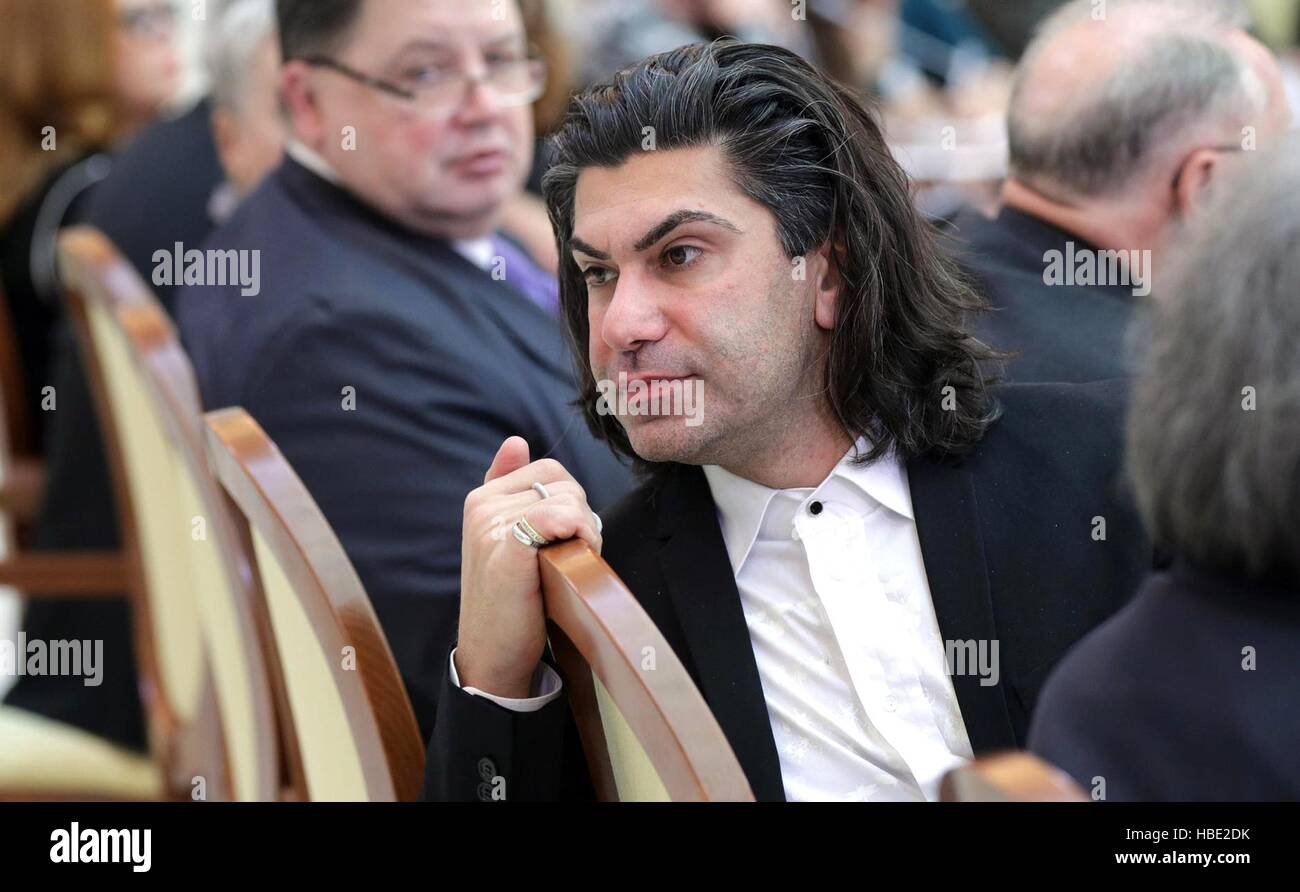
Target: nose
(478, 103)
(633, 317)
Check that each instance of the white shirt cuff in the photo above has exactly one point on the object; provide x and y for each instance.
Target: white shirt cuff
(546, 687)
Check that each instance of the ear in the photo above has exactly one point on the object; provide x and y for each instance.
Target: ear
(1193, 178)
(297, 92)
(824, 266)
(225, 133)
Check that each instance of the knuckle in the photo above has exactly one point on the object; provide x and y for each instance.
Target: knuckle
(472, 500)
(550, 467)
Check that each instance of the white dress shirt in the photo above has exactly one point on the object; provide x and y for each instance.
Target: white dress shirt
(833, 586)
(835, 596)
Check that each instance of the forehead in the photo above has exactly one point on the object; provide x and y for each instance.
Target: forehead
(614, 206)
(389, 26)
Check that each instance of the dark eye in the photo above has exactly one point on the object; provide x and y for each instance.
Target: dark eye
(505, 59)
(427, 74)
(681, 255)
(596, 276)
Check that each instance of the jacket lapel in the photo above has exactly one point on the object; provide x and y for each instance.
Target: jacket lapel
(947, 522)
(703, 591)
(534, 331)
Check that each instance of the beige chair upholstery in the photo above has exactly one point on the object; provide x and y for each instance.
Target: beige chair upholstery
(162, 524)
(351, 718)
(634, 773)
(41, 758)
(331, 759)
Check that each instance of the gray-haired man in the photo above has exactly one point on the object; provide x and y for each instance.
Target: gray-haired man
(243, 62)
(1189, 693)
(1122, 115)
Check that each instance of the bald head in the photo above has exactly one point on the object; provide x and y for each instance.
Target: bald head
(1107, 92)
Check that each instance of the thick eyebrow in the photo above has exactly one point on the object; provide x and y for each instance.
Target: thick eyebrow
(677, 218)
(578, 244)
(425, 43)
(659, 230)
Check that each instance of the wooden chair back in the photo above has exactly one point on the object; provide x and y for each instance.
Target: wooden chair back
(206, 670)
(646, 731)
(355, 728)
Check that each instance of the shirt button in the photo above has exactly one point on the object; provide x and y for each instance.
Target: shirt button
(891, 703)
(814, 508)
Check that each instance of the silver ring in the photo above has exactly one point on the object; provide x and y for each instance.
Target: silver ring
(600, 524)
(541, 490)
(526, 534)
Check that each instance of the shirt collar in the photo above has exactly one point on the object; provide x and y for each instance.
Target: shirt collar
(222, 202)
(745, 508)
(478, 251)
(309, 159)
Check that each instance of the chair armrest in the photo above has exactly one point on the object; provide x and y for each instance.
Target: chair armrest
(21, 494)
(70, 574)
(1009, 777)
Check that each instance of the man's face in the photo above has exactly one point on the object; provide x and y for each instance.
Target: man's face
(443, 172)
(713, 300)
(147, 70)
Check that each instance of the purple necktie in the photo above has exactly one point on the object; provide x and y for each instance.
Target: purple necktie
(527, 277)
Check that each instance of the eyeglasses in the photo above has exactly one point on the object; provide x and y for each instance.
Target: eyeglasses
(153, 20)
(516, 80)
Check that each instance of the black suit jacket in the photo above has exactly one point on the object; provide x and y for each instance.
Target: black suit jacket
(1069, 333)
(1159, 701)
(443, 362)
(1007, 536)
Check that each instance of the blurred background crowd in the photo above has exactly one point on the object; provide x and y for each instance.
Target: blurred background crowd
(940, 71)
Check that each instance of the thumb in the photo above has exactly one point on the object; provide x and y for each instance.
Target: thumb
(512, 456)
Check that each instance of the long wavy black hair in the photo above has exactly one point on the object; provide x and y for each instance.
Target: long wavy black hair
(902, 370)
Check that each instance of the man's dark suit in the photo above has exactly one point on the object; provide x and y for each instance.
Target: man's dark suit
(1070, 333)
(1160, 703)
(1007, 535)
(388, 369)
(156, 195)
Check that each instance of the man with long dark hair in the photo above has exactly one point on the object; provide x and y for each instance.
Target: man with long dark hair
(834, 498)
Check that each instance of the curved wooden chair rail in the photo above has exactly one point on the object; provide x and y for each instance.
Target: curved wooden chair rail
(275, 502)
(1009, 777)
(97, 279)
(598, 628)
(13, 386)
(170, 381)
(22, 473)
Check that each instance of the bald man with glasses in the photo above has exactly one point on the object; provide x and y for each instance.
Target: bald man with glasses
(395, 337)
